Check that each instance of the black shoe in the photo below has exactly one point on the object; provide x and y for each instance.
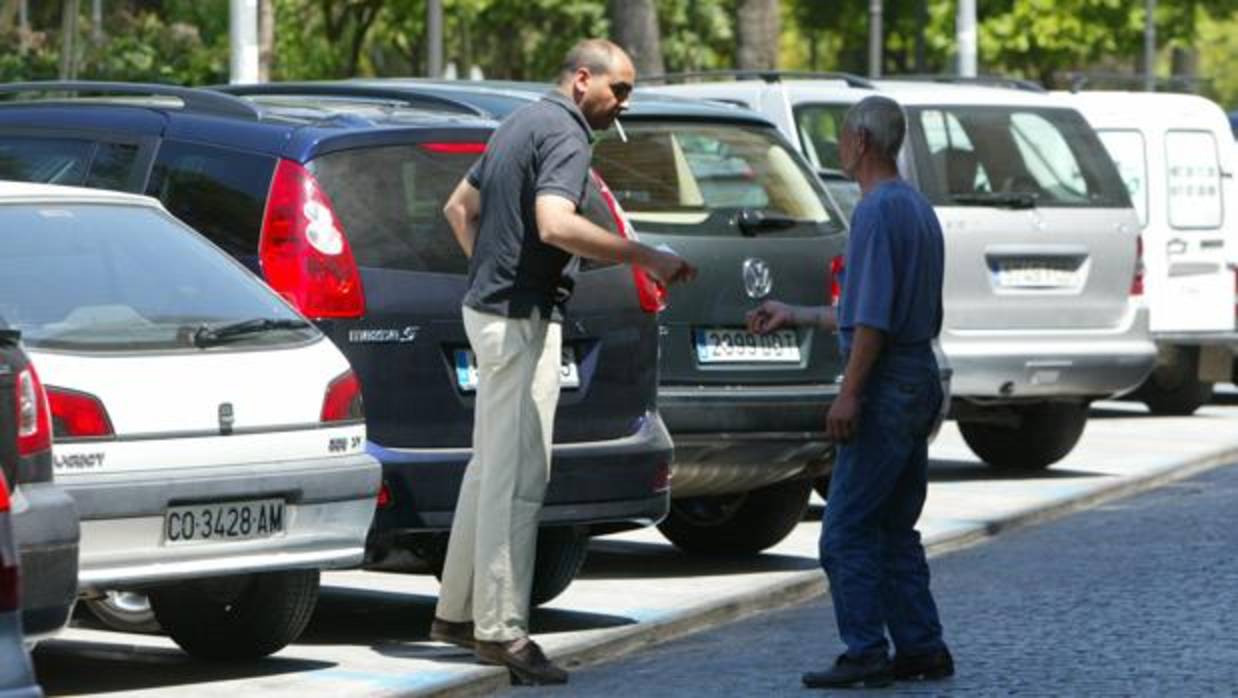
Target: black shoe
(458, 634)
(524, 659)
(937, 664)
(850, 672)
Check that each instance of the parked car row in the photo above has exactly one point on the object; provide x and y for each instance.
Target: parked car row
(210, 429)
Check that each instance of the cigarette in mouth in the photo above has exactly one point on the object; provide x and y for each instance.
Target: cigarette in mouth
(623, 136)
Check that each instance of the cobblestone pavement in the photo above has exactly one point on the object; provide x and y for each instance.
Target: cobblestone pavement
(1137, 598)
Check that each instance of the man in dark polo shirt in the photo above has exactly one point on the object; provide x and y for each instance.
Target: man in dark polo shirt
(515, 215)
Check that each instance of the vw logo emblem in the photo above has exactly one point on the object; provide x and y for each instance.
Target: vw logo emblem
(758, 279)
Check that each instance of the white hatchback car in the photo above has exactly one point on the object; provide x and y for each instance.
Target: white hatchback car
(212, 438)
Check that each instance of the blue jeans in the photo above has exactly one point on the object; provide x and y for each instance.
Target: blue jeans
(870, 549)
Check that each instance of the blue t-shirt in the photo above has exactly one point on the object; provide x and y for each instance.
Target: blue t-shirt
(893, 273)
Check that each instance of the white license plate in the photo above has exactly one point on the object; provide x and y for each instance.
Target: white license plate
(224, 521)
(466, 370)
(722, 345)
(1036, 274)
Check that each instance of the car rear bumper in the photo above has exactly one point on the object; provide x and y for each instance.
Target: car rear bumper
(614, 481)
(45, 525)
(1199, 339)
(329, 504)
(1017, 364)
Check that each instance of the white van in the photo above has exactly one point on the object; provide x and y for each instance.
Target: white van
(1176, 155)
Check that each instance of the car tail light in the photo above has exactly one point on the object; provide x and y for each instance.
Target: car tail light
(652, 295)
(1137, 279)
(836, 285)
(303, 250)
(384, 496)
(10, 575)
(34, 429)
(455, 148)
(78, 415)
(343, 399)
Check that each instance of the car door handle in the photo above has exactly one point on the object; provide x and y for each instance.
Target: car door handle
(1175, 247)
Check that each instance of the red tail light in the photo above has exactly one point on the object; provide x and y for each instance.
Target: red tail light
(652, 295)
(455, 148)
(1137, 279)
(836, 285)
(78, 415)
(343, 400)
(34, 429)
(304, 252)
(384, 496)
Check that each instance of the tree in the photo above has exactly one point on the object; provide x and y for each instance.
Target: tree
(634, 26)
(757, 22)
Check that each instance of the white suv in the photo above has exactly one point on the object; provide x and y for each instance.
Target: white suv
(1041, 316)
(212, 438)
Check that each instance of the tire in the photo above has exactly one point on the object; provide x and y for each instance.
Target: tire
(737, 524)
(239, 617)
(1045, 434)
(1175, 389)
(125, 611)
(561, 552)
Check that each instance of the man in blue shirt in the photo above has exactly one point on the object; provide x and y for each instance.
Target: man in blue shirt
(889, 314)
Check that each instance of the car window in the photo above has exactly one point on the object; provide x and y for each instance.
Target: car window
(820, 127)
(969, 155)
(220, 192)
(390, 201)
(1193, 175)
(88, 277)
(67, 161)
(695, 178)
(1129, 153)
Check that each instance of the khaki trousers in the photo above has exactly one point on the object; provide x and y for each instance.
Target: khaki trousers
(488, 573)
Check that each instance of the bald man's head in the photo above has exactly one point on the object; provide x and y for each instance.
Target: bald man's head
(598, 75)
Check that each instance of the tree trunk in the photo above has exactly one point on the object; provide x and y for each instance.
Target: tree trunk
(758, 34)
(634, 26)
(266, 39)
(68, 34)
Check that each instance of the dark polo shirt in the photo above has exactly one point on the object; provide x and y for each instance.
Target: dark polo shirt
(542, 148)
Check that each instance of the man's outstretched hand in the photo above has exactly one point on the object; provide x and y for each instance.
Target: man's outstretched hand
(668, 268)
(770, 316)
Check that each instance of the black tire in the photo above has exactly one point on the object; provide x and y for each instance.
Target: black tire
(1175, 389)
(737, 524)
(239, 617)
(125, 611)
(561, 552)
(1045, 434)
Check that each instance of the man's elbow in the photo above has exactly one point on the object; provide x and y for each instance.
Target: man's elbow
(551, 229)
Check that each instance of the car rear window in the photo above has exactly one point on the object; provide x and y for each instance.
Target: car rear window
(1193, 178)
(689, 178)
(67, 161)
(88, 277)
(820, 127)
(390, 202)
(1129, 153)
(972, 155)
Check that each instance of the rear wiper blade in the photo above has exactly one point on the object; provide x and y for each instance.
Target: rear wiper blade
(752, 221)
(206, 335)
(997, 198)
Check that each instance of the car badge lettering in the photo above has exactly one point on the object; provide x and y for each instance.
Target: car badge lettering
(758, 279)
(226, 418)
(383, 335)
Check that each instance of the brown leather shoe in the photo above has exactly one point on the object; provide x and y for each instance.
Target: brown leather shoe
(458, 634)
(524, 659)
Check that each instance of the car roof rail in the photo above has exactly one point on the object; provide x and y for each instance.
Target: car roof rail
(978, 80)
(192, 98)
(352, 91)
(851, 79)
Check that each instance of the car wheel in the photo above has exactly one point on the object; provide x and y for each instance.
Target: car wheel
(1175, 388)
(737, 524)
(561, 552)
(125, 611)
(238, 617)
(1045, 433)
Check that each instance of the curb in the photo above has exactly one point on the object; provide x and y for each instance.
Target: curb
(804, 586)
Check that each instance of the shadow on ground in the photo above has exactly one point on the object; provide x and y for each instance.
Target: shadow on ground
(621, 559)
(968, 471)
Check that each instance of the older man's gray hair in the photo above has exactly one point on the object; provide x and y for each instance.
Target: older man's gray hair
(882, 120)
(598, 55)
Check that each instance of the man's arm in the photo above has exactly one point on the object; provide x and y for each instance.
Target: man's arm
(774, 315)
(560, 225)
(866, 346)
(463, 211)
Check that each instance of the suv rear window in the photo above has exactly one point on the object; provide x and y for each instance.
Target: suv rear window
(67, 161)
(695, 178)
(91, 277)
(390, 202)
(1193, 178)
(972, 155)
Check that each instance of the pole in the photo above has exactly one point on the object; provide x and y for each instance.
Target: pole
(23, 26)
(434, 40)
(874, 38)
(1149, 47)
(965, 27)
(243, 41)
(68, 35)
(96, 21)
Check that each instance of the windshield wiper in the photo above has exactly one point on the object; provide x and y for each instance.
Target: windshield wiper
(1002, 199)
(206, 335)
(753, 221)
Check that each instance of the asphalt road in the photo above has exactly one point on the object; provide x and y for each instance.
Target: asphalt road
(1135, 598)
